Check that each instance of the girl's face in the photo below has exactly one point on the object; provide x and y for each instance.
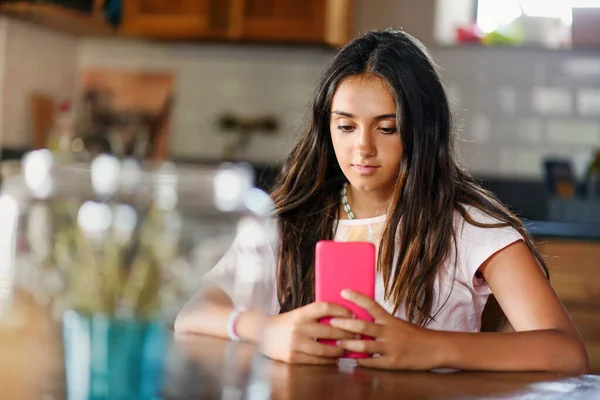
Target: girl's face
(365, 137)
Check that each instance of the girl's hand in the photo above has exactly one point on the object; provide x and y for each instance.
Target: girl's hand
(397, 344)
(290, 337)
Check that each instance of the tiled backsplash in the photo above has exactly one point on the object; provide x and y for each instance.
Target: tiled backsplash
(518, 106)
(211, 80)
(514, 106)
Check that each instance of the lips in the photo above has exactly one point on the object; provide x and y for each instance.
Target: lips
(365, 169)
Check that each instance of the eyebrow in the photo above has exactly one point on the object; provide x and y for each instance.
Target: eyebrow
(345, 114)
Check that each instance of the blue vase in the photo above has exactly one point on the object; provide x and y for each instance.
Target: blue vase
(109, 358)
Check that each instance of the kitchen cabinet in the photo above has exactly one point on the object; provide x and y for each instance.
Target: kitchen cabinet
(329, 22)
(63, 19)
(176, 19)
(318, 21)
(291, 21)
(586, 27)
(575, 276)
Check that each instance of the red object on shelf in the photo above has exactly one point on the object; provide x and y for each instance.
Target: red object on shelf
(469, 34)
(64, 106)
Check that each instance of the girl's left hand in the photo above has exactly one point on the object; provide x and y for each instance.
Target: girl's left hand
(398, 344)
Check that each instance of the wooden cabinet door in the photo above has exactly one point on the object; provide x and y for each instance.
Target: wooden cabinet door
(575, 275)
(574, 270)
(308, 21)
(176, 19)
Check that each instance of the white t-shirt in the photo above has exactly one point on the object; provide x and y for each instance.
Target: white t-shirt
(460, 295)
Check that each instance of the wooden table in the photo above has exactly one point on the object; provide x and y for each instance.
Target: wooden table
(198, 367)
(202, 359)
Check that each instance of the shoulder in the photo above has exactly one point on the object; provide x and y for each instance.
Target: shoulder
(482, 227)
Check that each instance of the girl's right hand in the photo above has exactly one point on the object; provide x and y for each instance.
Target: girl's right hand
(291, 337)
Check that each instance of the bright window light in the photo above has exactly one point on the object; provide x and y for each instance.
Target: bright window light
(585, 3)
(548, 9)
(493, 13)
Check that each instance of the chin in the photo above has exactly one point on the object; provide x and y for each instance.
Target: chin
(366, 184)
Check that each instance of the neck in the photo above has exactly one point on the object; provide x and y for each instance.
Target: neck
(368, 204)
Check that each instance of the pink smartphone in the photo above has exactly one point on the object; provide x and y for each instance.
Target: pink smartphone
(344, 265)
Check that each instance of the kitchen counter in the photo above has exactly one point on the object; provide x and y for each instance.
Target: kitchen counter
(563, 230)
(510, 192)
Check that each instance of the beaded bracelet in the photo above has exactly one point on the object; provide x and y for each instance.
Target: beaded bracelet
(231, 323)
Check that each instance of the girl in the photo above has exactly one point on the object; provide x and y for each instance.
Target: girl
(376, 164)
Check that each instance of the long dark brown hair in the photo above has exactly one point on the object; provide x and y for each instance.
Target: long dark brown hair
(419, 234)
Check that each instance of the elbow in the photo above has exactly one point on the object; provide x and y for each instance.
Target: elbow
(186, 317)
(581, 365)
(576, 360)
(180, 324)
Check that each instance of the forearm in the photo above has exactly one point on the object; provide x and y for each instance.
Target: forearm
(539, 350)
(208, 313)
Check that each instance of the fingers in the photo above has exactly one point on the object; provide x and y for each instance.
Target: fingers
(373, 362)
(361, 346)
(357, 326)
(321, 331)
(314, 348)
(366, 303)
(321, 309)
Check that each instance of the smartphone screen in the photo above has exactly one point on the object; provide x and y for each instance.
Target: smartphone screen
(345, 265)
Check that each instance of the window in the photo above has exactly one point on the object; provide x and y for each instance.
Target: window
(492, 14)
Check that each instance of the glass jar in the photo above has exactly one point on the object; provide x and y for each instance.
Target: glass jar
(112, 250)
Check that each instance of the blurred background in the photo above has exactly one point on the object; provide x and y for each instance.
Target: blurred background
(199, 81)
(203, 81)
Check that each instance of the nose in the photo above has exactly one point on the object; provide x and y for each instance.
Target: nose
(365, 144)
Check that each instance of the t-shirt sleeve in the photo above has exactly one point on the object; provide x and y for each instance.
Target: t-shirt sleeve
(246, 273)
(223, 273)
(477, 244)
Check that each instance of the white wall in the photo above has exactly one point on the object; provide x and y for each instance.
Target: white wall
(449, 15)
(33, 59)
(3, 29)
(416, 16)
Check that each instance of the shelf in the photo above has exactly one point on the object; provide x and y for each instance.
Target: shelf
(58, 18)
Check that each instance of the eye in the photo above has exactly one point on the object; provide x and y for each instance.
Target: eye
(346, 128)
(388, 131)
